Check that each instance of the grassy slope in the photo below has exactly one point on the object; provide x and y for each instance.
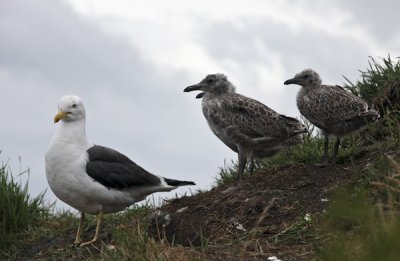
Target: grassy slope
(361, 220)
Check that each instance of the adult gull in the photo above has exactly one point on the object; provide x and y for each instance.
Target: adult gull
(91, 178)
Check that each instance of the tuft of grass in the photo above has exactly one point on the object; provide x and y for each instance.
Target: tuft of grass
(227, 174)
(19, 212)
(307, 152)
(300, 231)
(363, 221)
(124, 236)
(131, 233)
(134, 243)
(379, 84)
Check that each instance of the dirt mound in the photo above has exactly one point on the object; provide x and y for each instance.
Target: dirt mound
(271, 214)
(263, 217)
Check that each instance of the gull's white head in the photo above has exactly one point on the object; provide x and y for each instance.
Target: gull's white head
(70, 108)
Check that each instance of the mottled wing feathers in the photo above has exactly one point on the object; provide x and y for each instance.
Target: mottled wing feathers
(328, 105)
(250, 117)
(115, 170)
(292, 124)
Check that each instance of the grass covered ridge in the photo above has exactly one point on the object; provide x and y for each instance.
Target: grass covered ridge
(288, 208)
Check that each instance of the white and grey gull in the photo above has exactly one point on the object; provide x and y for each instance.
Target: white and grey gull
(245, 125)
(331, 108)
(91, 178)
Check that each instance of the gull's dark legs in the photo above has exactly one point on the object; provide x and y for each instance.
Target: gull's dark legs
(335, 150)
(325, 160)
(251, 164)
(326, 145)
(242, 165)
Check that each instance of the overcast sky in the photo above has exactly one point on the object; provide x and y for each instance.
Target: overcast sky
(130, 61)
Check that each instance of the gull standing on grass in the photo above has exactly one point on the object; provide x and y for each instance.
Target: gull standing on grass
(91, 178)
(331, 108)
(245, 125)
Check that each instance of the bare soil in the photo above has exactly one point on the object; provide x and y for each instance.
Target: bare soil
(264, 217)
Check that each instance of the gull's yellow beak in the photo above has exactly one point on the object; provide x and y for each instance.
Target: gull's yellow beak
(60, 115)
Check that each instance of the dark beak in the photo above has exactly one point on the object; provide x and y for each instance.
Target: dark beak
(196, 87)
(290, 81)
(200, 95)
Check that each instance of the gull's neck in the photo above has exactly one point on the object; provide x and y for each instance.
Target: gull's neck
(72, 133)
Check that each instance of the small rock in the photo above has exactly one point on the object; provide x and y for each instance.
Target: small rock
(181, 210)
(235, 223)
(240, 227)
(110, 247)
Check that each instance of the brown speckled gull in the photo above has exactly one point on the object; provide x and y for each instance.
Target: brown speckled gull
(332, 109)
(245, 125)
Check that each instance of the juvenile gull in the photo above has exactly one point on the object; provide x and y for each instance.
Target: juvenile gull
(332, 109)
(245, 125)
(91, 178)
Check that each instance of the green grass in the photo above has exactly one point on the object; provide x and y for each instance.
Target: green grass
(300, 231)
(134, 243)
(124, 237)
(131, 233)
(379, 84)
(19, 212)
(29, 227)
(227, 175)
(363, 222)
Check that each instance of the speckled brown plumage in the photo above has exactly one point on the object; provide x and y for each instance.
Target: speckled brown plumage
(331, 108)
(245, 125)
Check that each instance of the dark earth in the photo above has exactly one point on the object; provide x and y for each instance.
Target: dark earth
(232, 219)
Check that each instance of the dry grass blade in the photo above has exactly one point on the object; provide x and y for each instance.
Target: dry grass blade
(253, 233)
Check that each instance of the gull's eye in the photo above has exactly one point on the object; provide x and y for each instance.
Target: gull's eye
(209, 81)
(306, 76)
(74, 105)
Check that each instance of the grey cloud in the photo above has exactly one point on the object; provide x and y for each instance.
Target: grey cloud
(49, 39)
(297, 50)
(380, 18)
